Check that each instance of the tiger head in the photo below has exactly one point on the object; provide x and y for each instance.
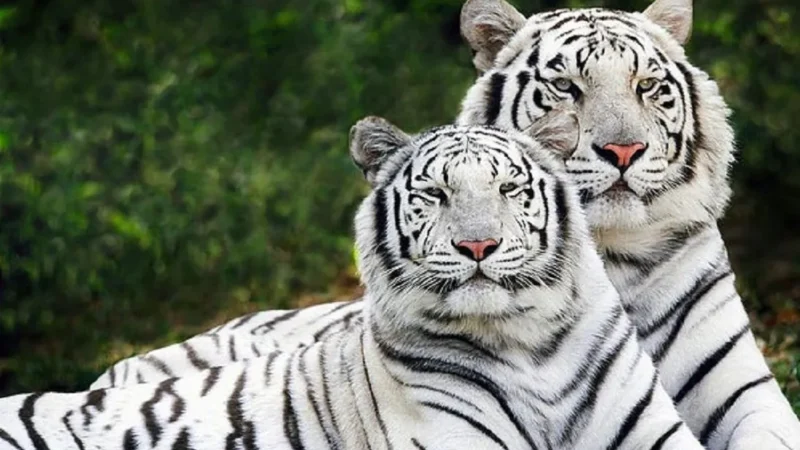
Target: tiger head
(463, 220)
(655, 145)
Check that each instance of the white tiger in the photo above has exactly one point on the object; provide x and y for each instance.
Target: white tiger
(489, 324)
(652, 170)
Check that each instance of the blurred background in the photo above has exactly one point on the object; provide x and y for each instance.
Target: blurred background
(166, 165)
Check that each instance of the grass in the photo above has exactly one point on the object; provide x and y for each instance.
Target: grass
(778, 341)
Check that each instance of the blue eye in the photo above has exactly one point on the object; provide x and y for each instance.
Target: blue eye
(562, 84)
(505, 188)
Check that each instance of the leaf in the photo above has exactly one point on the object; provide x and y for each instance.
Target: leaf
(7, 16)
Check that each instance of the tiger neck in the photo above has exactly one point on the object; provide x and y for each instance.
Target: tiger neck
(649, 268)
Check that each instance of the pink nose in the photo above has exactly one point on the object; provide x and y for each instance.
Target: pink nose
(622, 155)
(477, 250)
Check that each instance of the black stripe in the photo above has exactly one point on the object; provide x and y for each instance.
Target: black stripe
(158, 364)
(244, 320)
(633, 417)
(129, 441)
(211, 380)
(719, 413)
(268, 366)
(381, 237)
(94, 399)
(598, 378)
(191, 353)
(523, 78)
(475, 424)
(709, 363)
(65, 421)
(232, 347)
(377, 410)
(26, 416)
(7, 437)
(347, 317)
(442, 392)
(404, 243)
(494, 98)
(556, 62)
(490, 132)
(269, 325)
(548, 348)
(311, 395)
(417, 444)
(555, 266)
(291, 427)
(147, 410)
(561, 23)
(241, 427)
(689, 301)
(323, 364)
(533, 59)
(178, 404)
(698, 140)
(182, 441)
(538, 100)
(665, 437)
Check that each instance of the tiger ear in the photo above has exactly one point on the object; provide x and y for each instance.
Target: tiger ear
(558, 131)
(675, 16)
(488, 25)
(372, 141)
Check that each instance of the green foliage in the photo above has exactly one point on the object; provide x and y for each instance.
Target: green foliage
(166, 165)
(164, 158)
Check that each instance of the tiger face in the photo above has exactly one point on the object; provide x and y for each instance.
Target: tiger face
(643, 156)
(459, 214)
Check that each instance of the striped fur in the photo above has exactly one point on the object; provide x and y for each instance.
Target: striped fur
(528, 348)
(657, 235)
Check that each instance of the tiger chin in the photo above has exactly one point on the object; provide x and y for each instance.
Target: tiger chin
(482, 286)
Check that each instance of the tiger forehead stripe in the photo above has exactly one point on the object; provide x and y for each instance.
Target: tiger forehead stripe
(484, 144)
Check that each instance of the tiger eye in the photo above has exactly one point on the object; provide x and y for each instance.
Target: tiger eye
(505, 188)
(647, 84)
(435, 192)
(562, 84)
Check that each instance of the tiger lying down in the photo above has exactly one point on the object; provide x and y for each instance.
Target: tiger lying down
(483, 289)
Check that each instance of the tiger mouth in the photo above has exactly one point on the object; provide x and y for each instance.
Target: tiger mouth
(479, 279)
(619, 187)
